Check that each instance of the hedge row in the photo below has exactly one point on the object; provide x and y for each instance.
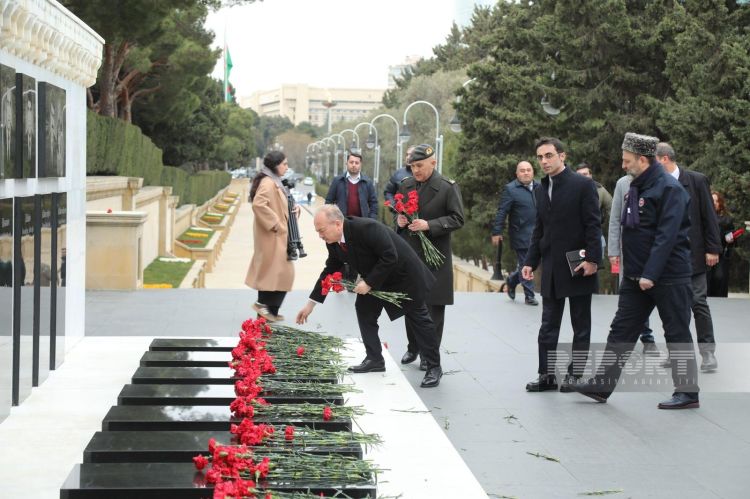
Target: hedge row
(114, 147)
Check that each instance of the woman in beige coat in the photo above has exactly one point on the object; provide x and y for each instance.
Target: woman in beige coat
(270, 272)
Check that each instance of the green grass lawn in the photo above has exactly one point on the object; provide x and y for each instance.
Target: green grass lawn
(159, 272)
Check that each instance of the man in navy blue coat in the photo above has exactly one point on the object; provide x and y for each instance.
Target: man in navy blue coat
(519, 206)
(656, 255)
(567, 219)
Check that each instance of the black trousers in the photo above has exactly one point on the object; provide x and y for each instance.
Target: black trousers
(673, 301)
(437, 314)
(704, 326)
(417, 317)
(549, 332)
(272, 300)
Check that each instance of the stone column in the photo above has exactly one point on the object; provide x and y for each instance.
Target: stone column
(114, 249)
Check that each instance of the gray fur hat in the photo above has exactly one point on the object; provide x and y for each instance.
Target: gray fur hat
(643, 145)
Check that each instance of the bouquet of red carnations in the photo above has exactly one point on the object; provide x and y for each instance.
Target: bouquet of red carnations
(336, 283)
(410, 209)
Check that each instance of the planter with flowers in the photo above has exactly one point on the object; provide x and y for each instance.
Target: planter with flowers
(199, 243)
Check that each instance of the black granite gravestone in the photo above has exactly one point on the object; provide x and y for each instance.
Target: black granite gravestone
(42, 290)
(210, 375)
(176, 481)
(201, 418)
(194, 344)
(52, 124)
(181, 446)
(6, 306)
(7, 122)
(202, 394)
(25, 126)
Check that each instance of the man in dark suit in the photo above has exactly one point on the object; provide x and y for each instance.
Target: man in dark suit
(518, 204)
(441, 212)
(705, 246)
(567, 219)
(386, 263)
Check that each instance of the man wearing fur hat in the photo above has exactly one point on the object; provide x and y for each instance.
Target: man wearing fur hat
(657, 273)
(441, 212)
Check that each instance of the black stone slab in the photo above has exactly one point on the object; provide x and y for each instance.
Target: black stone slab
(199, 418)
(198, 394)
(177, 446)
(193, 344)
(185, 358)
(170, 481)
(210, 375)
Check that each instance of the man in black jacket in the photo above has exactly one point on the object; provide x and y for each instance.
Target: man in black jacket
(705, 245)
(441, 212)
(386, 263)
(391, 187)
(656, 256)
(567, 219)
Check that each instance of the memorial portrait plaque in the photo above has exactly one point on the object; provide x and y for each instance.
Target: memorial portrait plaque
(23, 297)
(52, 124)
(7, 122)
(25, 126)
(6, 306)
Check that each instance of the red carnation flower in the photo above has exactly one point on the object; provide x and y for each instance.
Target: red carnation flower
(327, 413)
(289, 433)
(300, 351)
(200, 461)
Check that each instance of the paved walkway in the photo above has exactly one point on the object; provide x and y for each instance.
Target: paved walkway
(231, 268)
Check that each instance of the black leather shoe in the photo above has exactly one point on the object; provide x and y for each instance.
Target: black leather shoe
(649, 348)
(587, 389)
(511, 290)
(422, 365)
(681, 401)
(532, 302)
(432, 378)
(408, 357)
(543, 383)
(709, 364)
(368, 366)
(568, 383)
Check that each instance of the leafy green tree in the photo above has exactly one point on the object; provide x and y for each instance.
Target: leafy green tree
(237, 146)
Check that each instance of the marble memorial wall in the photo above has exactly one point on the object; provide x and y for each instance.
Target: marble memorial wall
(48, 57)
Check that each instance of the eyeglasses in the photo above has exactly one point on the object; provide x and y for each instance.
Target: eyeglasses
(549, 155)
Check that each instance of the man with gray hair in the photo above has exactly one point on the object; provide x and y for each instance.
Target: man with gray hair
(656, 255)
(386, 263)
(705, 245)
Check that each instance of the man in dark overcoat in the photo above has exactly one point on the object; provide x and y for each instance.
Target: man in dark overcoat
(386, 263)
(441, 212)
(567, 219)
(705, 246)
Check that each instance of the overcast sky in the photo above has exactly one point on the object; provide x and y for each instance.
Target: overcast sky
(326, 43)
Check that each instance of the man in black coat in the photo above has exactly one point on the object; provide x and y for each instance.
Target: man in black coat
(657, 270)
(567, 219)
(705, 246)
(386, 263)
(441, 212)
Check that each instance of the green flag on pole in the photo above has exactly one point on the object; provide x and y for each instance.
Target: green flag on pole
(227, 70)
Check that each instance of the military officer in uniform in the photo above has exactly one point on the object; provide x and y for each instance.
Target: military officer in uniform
(440, 213)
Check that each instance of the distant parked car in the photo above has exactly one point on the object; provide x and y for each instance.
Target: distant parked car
(308, 181)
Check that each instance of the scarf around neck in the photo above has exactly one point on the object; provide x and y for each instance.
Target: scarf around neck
(276, 179)
(630, 217)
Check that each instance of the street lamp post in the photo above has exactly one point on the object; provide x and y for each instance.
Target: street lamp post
(340, 142)
(455, 123)
(325, 140)
(398, 138)
(438, 136)
(372, 142)
(355, 137)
